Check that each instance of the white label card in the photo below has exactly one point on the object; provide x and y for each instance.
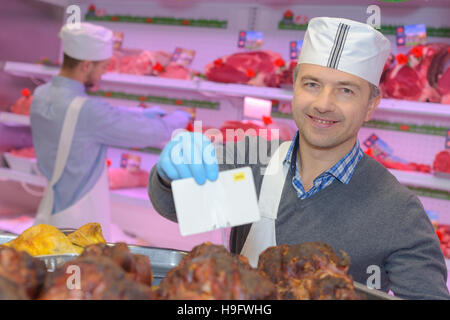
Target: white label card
(227, 202)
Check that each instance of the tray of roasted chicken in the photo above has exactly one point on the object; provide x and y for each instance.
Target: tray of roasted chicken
(46, 263)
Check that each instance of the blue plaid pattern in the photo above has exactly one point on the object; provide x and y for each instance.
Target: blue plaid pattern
(341, 171)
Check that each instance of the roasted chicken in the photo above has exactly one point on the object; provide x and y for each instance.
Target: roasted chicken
(210, 272)
(308, 271)
(136, 266)
(100, 278)
(22, 269)
(10, 290)
(43, 239)
(88, 234)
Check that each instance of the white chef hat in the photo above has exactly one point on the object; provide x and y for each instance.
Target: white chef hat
(86, 41)
(346, 45)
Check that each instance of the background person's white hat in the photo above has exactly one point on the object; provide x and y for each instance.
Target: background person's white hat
(346, 45)
(88, 42)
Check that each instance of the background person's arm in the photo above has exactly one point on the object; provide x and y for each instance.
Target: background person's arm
(129, 127)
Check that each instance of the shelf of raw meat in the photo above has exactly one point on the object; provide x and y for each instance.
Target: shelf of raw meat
(415, 108)
(42, 71)
(422, 180)
(388, 105)
(8, 174)
(12, 119)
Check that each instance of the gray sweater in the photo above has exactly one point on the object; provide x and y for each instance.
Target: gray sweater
(374, 219)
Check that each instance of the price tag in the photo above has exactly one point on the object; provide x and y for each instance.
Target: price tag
(411, 35)
(183, 56)
(252, 40)
(130, 162)
(400, 36)
(294, 49)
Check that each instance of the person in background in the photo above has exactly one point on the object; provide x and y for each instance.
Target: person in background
(72, 131)
(324, 187)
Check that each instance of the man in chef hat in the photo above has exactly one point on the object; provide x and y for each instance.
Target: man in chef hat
(71, 131)
(321, 186)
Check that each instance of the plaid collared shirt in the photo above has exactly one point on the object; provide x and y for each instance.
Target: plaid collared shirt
(341, 171)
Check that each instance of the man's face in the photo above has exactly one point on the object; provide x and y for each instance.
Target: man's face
(329, 106)
(94, 72)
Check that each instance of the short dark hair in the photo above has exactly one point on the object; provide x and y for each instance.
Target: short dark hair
(69, 62)
(374, 90)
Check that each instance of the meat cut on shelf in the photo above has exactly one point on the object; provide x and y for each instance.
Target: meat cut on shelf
(258, 68)
(120, 178)
(417, 75)
(142, 62)
(23, 104)
(441, 161)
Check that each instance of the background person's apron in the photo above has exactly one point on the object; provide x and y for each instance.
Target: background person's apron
(93, 206)
(262, 233)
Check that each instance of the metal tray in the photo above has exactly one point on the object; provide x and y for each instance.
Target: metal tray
(372, 294)
(163, 260)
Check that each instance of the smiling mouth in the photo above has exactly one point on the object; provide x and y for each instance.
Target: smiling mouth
(322, 121)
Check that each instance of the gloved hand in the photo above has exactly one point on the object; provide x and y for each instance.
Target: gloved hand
(188, 154)
(183, 113)
(154, 112)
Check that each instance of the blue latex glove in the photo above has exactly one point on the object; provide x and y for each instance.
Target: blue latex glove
(154, 112)
(184, 113)
(188, 154)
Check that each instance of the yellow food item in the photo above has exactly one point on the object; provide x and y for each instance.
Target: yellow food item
(43, 239)
(90, 233)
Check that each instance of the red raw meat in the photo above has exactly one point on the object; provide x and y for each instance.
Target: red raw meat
(443, 86)
(176, 71)
(442, 161)
(23, 104)
(24, 152)
(141, 62)
(120, 178)
(136, 64)
(398, 165)
(389, 64)
(445, 99)
(417, 79)
(403, 82)
(254, 68)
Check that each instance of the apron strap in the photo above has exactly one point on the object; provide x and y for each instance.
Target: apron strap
(262, 233)
(62, 154)
(273, 183)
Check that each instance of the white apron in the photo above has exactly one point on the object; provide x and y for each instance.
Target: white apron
(93, 206)
(262, 233)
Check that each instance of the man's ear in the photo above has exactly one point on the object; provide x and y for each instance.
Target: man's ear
(86, 66)
(373, 104)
